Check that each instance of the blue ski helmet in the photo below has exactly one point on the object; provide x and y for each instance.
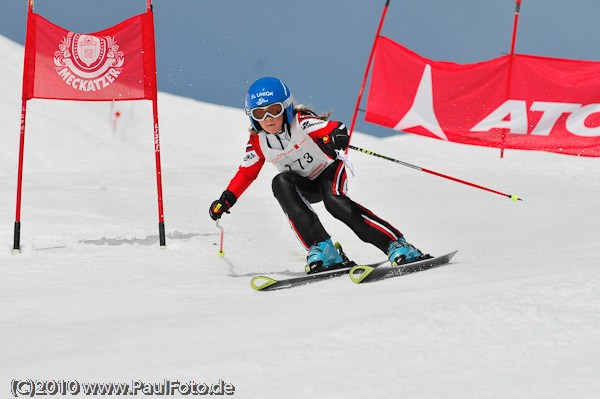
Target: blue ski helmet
(267, 91)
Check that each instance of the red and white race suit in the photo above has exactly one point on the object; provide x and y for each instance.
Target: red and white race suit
(309, 174)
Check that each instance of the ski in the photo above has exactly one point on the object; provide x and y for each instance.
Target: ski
(363, 274)
(264, 283)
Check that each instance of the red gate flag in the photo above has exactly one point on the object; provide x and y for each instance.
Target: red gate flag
(117, 63)
(531, 103)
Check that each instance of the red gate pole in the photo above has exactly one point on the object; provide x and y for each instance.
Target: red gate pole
(161, 216)
(17, 231)
(510, 69)
(362, 87)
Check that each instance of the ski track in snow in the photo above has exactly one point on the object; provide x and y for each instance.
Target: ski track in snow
(92, 298)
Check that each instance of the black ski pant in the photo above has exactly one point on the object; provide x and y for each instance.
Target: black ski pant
(295, 194)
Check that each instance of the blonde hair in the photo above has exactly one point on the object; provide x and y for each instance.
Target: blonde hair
(299, 108)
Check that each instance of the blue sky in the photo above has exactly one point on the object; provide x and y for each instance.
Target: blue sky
(213, 50)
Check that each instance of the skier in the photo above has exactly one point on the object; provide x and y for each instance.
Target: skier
(304, 147)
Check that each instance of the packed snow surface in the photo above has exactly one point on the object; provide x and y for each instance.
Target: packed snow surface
(92, 298)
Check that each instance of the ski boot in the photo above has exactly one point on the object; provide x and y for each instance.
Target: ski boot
(401, 252)
(323, 256)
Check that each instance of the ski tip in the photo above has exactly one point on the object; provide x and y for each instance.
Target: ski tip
(261, 282)
(359, 273)
(451, 255)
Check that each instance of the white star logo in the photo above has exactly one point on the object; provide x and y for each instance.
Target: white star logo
(421, 112)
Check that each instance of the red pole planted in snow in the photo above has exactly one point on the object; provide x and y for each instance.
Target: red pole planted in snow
(161, 216)
(362, 87)
(510, 69)
(17, 231)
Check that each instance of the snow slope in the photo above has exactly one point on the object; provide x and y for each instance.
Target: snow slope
(92, 298)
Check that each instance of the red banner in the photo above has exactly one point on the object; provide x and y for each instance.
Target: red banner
(535, 103)
(117, 63)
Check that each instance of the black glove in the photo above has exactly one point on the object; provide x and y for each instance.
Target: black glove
(222, 205)
(338, 139)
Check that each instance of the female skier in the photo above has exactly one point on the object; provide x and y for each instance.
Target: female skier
(302, 145)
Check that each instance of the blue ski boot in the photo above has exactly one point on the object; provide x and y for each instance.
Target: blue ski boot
(400, 252)
(323, 256)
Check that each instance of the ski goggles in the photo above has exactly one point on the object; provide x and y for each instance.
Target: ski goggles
(260, 113)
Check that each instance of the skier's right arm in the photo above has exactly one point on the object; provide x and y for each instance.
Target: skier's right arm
(246, 174)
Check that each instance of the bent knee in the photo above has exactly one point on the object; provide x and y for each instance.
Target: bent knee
(281, 182)
(337, 205)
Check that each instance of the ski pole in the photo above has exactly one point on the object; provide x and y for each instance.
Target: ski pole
(221, 252)
(512, 197)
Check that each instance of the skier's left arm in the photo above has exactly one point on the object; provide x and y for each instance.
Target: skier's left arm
(329, 135)
(338, 138)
